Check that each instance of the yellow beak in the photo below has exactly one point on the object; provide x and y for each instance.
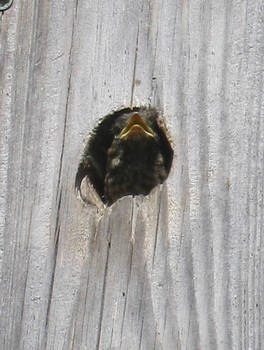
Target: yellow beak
(136, 126)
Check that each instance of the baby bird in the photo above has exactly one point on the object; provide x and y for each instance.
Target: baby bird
(135, 162)
(128, 154)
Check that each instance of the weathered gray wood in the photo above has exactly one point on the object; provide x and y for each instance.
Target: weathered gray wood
(179, 269)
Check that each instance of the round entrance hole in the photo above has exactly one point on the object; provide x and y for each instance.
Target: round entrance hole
(128, 153)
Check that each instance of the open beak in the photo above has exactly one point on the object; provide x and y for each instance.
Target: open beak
(136, 126)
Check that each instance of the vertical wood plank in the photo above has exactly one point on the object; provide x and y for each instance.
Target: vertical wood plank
(179, 269)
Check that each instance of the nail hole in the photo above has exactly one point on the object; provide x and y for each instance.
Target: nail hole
(128, 153)
(5, 4)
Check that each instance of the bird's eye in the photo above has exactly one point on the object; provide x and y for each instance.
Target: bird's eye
(128, 153)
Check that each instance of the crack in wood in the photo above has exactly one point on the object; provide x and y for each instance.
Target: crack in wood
(103, 299)
(134, 71)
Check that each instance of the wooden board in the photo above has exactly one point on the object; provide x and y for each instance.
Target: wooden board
(179, 269)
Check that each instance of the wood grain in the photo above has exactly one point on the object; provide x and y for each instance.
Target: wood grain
(179, 269)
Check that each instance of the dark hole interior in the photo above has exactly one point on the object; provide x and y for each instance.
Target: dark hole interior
(132, 164)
